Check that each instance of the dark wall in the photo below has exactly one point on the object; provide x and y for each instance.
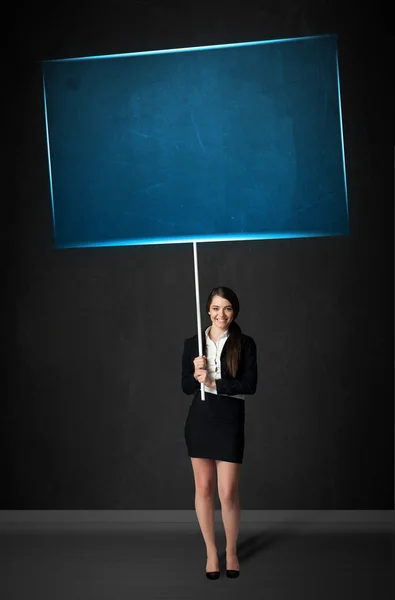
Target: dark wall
(94, 414)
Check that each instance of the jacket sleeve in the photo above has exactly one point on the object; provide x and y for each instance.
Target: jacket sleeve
(188, 382)
(247, 376)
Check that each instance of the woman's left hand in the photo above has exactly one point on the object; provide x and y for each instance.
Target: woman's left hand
(202, 377)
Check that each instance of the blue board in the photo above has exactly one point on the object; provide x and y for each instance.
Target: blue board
(238, 141)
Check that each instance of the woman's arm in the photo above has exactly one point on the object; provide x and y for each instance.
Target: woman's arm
(188, 382)
(247, 375)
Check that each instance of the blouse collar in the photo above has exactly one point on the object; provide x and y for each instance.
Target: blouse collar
(225, 334)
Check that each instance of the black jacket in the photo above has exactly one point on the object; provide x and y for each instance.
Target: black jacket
(246, 377)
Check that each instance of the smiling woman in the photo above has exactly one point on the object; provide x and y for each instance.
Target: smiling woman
(223, 307)
(214, 429)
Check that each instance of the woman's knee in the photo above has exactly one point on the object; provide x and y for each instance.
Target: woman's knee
(228, 496)
(204, 474)
(228, 482)
(204, 490)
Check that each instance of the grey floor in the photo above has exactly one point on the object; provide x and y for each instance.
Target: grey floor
(277, 562)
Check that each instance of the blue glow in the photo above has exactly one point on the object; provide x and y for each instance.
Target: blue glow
(49, 157)
(200, 238)
(341, 132)
(190, 49)
(177, 146)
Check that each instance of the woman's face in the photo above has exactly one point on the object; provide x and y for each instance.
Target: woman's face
(221, 313)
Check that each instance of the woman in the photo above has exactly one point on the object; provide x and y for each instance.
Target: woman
(214, 428)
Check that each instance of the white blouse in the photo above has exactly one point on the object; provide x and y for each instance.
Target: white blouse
(213, 355)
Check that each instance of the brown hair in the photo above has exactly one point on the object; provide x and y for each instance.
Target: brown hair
(233, 353)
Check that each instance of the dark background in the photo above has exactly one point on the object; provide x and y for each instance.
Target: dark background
(94, 414)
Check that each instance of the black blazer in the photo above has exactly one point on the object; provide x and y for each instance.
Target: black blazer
(246, 377)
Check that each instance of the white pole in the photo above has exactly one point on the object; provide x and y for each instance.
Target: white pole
(199, 325)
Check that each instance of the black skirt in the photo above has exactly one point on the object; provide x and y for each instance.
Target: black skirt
(214, 427)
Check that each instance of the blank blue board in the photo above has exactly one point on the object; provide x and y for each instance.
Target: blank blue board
(229, 142)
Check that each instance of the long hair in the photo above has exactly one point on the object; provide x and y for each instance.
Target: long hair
(233, 353)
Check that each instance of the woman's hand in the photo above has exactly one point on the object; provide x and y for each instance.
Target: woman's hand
(200, 362)
(202, 377)
(201, 373)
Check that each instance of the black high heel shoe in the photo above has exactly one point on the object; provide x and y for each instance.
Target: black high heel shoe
(232, 573)
(212, 574)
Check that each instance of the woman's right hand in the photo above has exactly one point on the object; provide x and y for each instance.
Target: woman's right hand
(200, 362)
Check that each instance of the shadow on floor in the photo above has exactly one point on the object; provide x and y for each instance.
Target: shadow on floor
(250, 545)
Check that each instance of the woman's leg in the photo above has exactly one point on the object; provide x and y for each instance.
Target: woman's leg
(204, 475)
(228, 491)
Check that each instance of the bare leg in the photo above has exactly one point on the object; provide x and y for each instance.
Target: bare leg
(228, 491)
(204, 474)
